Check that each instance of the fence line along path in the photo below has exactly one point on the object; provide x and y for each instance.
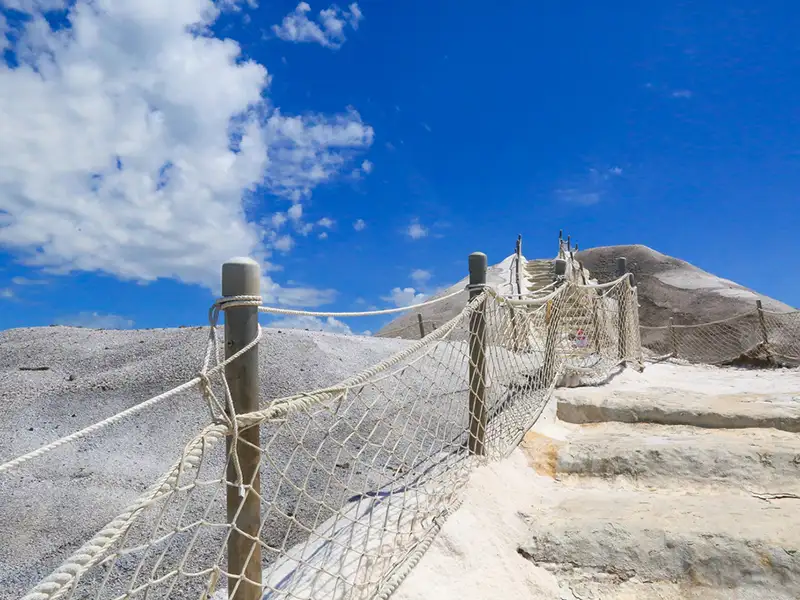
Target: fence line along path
(336, 492)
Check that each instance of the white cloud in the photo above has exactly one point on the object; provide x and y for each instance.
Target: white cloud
(6, 293)
(416, 230)
(299, 296)
(279, 220)
(590, 188)
(682, 94)
(329, 324)
(327, 29)
(95, 320)
(27, 281)
(35, 5)
(295, 213)
(367, 166)
(360, 225)
(405, 296)
(326, 222)
(117, 156)
(420, 276)
(579, 197)
(311, 150)
(284, 243)
(323, 235)
(3, 29)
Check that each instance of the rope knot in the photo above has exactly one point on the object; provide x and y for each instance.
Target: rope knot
(226, 302)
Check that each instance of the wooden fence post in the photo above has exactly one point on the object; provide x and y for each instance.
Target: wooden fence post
(763, 325)
(552, 323)
(421, 326)
(478, 415)
(622, 307)
(673, 338)
(242, 277)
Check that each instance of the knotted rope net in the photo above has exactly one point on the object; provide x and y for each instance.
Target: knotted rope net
(353, 481)
(758, 335)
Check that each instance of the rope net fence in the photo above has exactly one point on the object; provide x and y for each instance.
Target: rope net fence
(352, 482)
(756, 336)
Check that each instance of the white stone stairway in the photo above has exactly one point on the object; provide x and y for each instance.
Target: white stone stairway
(668, 492)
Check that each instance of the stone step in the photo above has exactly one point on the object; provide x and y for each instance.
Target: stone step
(585, 584)
(756, 459)
(668, 406)
(723, 542)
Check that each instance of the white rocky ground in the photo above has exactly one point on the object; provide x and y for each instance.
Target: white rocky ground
(680, 482)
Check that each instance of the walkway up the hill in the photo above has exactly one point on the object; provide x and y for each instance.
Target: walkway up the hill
(538, 275)
(681, 482)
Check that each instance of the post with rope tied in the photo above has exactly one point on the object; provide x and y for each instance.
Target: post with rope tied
(553, 322)
(478, 414)
(242, 277)
(421, 324)
(622, 307)
(763, 327)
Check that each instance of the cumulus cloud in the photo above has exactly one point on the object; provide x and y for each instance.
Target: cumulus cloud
(326, 222)
(327, 29)
(420, 277)
(416, 230)
(283, 243)
(94, 320)
(328, 324)
(117, 156)
(360, 225)
(404, 296)
(6, 293)
(279, 220)
(365, 169)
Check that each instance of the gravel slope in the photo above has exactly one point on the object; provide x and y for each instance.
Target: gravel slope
(670, 287)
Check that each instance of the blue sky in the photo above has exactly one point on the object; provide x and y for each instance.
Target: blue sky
(362, 152)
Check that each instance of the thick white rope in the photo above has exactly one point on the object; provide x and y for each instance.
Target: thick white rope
(279, 408)
(602, 286)
(531, 301)
(11, 464)
(365, 313)
(391, 585)
(202, 378)
(60, 580)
